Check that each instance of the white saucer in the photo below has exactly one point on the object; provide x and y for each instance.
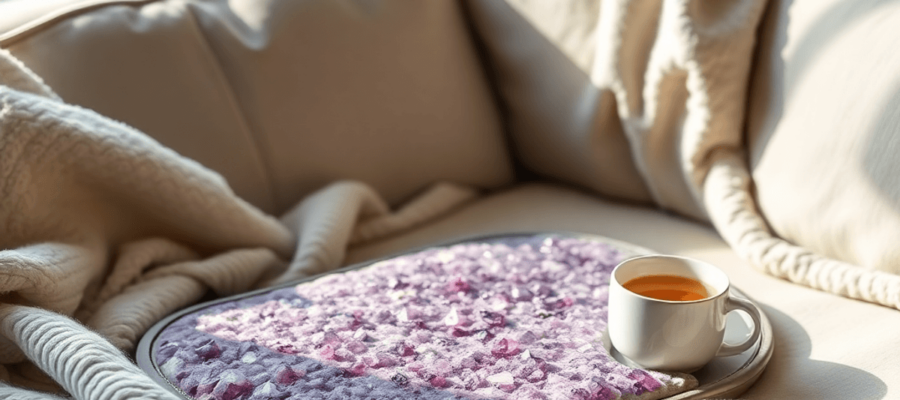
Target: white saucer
(724, 376)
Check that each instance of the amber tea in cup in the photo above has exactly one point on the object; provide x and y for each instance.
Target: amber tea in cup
(667, 287)
(668, 313)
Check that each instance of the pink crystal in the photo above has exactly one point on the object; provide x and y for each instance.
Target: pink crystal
(383, 316)
(536, 376)
(385, 360)
(357, 369)
(414, 366)
(564, 302)
(438, 382)
(471, 380)
(327, 353)
(344, 355)
(206, 388)
(480, 357)
(468, 363)
(458, 332)
(406, 350)
(442, 367)
(505, 348)
(331, 338)
(458, 285)
(357, 347)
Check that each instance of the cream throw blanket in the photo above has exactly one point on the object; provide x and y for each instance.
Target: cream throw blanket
(660, 58)
(103, 224)
(699, 62)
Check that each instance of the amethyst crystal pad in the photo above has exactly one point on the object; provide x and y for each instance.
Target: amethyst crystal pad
(513, 319)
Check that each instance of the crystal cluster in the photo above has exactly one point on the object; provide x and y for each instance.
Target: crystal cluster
(475, 320)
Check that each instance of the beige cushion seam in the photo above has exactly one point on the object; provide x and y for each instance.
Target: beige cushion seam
(41, 23)
(222, 80)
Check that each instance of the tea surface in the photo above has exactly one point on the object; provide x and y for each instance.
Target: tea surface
(667, 287)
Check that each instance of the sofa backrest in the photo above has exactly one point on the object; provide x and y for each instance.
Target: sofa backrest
(282, 97)
(562, 126)
(824, 127)
(643, 115)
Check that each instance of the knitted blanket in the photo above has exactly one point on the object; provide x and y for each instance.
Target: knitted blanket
(105, 231)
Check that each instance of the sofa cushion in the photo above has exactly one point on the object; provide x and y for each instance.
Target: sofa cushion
(823, 128)
(665, 91)
(282, 97)
(561, 125)
(826, 346)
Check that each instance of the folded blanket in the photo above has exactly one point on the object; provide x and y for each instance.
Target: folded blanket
(105, 231)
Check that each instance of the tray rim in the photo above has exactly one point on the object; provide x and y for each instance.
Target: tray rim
(731, 385)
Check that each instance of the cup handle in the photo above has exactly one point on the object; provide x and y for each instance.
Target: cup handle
(735, 304)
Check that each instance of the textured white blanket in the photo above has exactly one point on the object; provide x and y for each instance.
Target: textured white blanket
(104, 232)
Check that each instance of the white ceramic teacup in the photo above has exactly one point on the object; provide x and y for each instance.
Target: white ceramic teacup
(674, 335)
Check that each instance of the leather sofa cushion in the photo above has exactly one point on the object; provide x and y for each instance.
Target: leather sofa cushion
(282, 97)
(823, 128)
(826, 346)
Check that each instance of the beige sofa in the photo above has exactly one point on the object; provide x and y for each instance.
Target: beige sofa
(283, 97)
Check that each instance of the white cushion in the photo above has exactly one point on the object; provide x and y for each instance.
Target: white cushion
(823, 128)
(283, 97)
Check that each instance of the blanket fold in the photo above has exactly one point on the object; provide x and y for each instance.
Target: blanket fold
(102, 224)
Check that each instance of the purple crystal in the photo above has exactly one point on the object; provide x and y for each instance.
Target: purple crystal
(208, 350)
(493, 319)
(541, 289)
(330, 338)
(357, 347)
(458, 285)
(287, 375)
(357, 369)
(386, 360)
(527, 337)
(521, 294)
(474, 320)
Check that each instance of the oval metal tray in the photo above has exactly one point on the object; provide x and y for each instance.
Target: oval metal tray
(724, 377)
